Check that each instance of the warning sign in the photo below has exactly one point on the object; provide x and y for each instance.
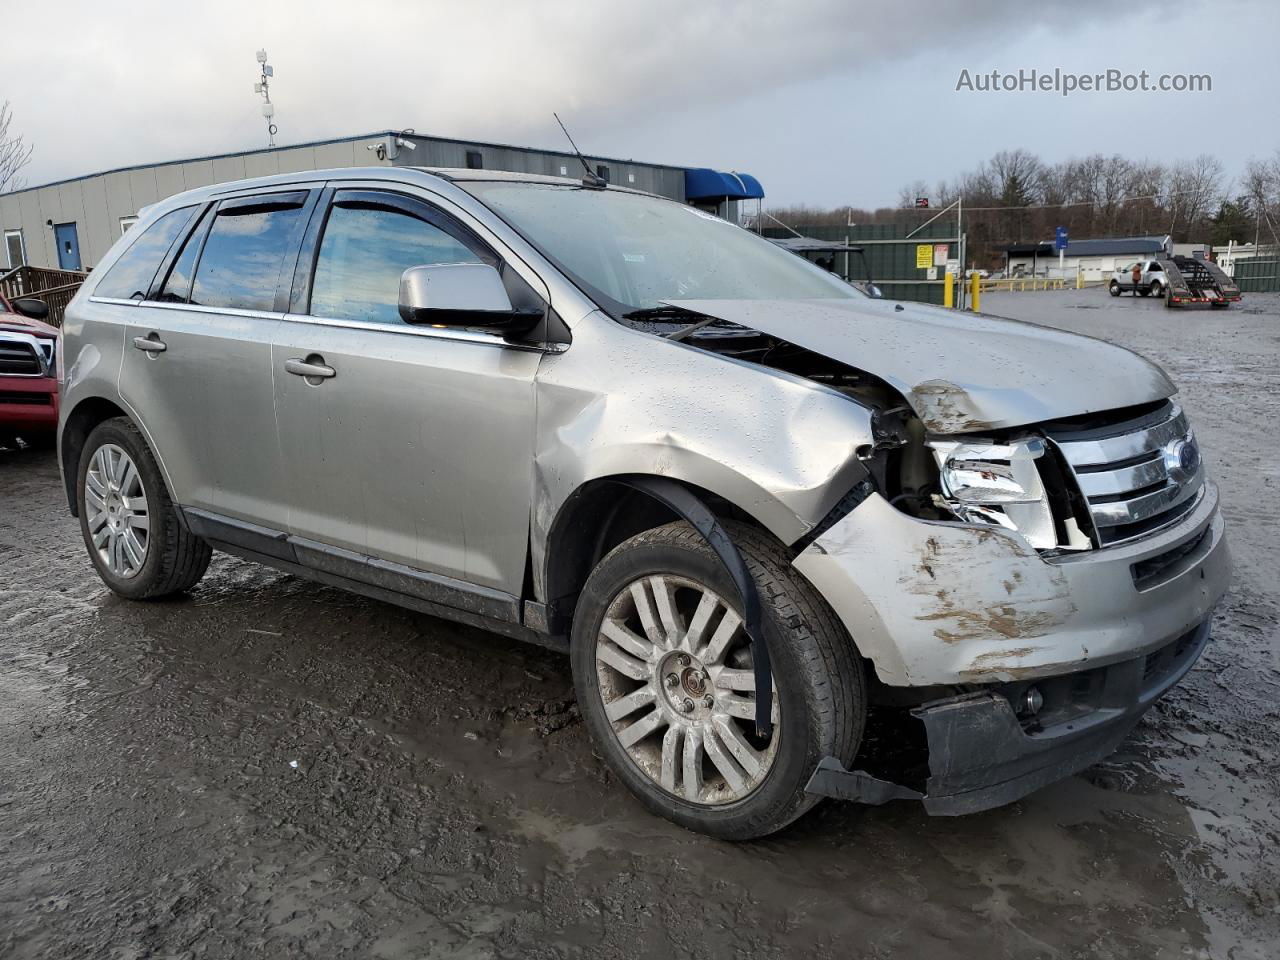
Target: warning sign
(940, 251)
(924, 256)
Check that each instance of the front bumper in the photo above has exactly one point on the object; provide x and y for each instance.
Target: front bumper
(1101, 633)
(957, 604)
(28, 404)
(981, 756)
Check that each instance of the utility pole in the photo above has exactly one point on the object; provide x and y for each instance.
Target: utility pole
(263, 86)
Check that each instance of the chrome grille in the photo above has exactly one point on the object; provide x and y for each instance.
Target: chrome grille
(1138, 475)
(21, 356)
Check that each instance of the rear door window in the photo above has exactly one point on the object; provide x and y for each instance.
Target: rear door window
(129, 278)
(250, 241)
(369, 240)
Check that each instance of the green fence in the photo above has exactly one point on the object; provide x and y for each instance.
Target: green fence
(904, 268)
(1258, 276)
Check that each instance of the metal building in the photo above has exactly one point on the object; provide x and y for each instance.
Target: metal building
(70, 224)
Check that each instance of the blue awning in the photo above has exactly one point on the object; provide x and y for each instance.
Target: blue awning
(704, 183)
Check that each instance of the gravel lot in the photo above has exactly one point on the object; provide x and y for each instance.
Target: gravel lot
(269, 767)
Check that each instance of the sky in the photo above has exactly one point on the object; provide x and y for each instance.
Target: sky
(828, 103)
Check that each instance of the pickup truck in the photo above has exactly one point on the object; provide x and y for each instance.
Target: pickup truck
(28, 373)
(1151, 282)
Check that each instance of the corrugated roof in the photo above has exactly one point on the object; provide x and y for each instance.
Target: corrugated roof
(321, 143)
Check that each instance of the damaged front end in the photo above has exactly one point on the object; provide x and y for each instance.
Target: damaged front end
(1022, 588)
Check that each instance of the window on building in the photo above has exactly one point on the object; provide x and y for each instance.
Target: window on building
(129, 278)
(475, 160)
(362, 255)
(126, 223)
(602, 171)
(16, 248)
(246, 247)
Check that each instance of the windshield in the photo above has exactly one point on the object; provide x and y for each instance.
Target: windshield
(632, 252)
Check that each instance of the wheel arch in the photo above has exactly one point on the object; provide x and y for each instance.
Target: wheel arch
(76, 427)
(600, 514)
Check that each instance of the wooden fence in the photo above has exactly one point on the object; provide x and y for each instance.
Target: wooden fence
(54, 287)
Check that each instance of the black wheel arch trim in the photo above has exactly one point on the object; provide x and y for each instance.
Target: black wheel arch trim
(684, 503)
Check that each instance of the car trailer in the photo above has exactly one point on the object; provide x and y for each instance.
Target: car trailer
(1193, 280)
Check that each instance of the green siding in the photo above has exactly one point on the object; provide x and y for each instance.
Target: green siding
(888, 261)
(1258, 276)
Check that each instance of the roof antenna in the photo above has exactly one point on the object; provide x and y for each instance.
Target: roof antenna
(591, 181)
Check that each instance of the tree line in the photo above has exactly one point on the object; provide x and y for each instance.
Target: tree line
(1016, 197)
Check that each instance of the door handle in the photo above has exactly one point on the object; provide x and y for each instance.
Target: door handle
(151, 344)
(313, 366)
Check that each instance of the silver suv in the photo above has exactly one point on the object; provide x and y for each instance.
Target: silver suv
(798, 541)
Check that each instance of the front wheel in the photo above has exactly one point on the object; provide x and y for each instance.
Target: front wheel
(1114, 289)
(663, 673)
(130, 526)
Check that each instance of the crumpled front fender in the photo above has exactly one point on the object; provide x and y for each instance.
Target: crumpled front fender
(620, 402)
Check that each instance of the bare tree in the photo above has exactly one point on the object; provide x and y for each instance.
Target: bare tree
(15, 153)
(1195, 186)
(908, 194)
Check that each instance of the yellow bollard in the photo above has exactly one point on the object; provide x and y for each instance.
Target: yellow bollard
(974, 287)
(948, 290)
(1079, 279)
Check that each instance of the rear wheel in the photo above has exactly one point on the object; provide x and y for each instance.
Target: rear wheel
(663, 673)
(130, 526)
(1157, 290)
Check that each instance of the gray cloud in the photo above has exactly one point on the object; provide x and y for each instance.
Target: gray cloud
(158, 81)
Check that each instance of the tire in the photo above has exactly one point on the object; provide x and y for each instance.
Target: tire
(1114, 289)
(171, 559)
(819, 703)
(1157, 290)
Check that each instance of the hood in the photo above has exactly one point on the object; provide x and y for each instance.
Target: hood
(961, 372)
(16, 323)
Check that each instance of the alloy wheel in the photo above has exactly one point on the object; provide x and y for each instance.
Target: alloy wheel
(675, 675)
(118, 516)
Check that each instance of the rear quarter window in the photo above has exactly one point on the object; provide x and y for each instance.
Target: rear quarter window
(130, 277)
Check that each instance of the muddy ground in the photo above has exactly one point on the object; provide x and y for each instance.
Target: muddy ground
(273, 768)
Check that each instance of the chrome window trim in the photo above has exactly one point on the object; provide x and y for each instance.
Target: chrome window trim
(119, 301)
(201, 308)
(460, 336)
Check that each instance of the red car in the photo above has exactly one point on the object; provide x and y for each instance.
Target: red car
(28, 373)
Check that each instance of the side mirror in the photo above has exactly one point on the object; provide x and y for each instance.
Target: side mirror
(31, 307)
(461, 295)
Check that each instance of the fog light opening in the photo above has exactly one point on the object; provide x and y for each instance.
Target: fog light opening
(1030, 702)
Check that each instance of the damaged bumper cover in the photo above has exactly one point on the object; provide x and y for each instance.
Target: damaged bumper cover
(981, 756)
(1101, 634)
(932, 603)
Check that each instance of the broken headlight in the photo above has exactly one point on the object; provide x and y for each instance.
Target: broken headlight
(998, 483)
